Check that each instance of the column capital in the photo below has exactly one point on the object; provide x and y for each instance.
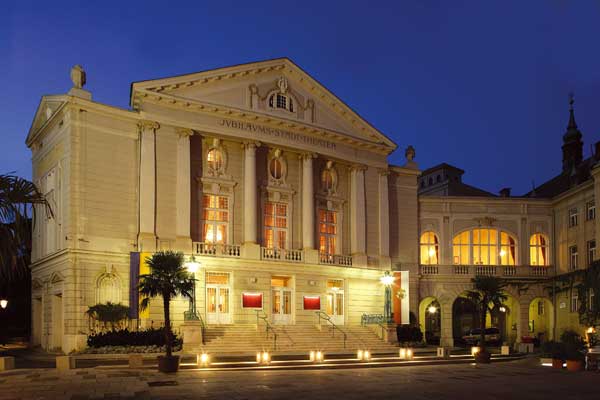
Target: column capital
(358, 167)
(383, 171)
(306, 155)
(147, 124)
(249, 144)
(184, 132)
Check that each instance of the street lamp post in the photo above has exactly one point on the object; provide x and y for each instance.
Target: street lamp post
(192, 315)
(387, 280)
(3, 303)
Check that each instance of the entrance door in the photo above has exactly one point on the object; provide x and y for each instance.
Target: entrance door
(335, 300)
(281, 300)
(218, 309)
(282, 306)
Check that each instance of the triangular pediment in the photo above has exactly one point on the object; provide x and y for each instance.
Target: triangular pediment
(48, 107)
(254, 88)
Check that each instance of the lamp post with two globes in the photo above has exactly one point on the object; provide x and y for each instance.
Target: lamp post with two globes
(192, 266)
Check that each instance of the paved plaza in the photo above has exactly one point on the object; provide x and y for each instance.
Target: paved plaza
(511, 380)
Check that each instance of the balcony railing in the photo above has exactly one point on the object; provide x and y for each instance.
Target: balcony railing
(335, 259)
(217, 249)
(268, 253)
(505, 271)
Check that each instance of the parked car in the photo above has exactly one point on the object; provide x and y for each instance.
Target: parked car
(492, 336)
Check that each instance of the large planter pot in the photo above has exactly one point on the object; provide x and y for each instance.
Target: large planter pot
(557, 363)
(483, 357)
(168, 364)
(574, 365)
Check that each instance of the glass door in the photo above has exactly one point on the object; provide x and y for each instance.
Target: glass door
(335, 301)
(218, 292)
(281, 300)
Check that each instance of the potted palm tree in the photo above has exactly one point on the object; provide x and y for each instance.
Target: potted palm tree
(168, 278)
(487, 293)
(574, 350)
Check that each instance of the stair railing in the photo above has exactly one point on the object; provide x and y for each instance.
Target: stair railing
(324, 316)
(268, 327)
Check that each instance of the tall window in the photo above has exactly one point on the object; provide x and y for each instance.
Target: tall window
(276, 225)
(327, 231)
(460, 248)
(573, 218)
(573, 257)
(590, 213)
(484, 246)
(591, 251)
(430, 248)
(216, 218)
(574, 300)
(538, 250)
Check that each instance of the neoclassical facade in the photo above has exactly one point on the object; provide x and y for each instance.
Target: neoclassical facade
(285, 197)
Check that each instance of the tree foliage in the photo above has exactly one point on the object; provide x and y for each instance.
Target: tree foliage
(168, 279)
(109, 315)
(18, 198)
(487, 293)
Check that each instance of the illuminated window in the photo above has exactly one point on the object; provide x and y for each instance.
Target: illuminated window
(327, 231)
(540, 307)
(590, 211)
(216, 218)
(430, 248)
(538, 250)
(484, 246)
(276, 226)
(214, 160)
(460, 248)
(573, 257)
(573, 218)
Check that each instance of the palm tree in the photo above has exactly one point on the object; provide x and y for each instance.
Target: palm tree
(17, 198)
(168, 278)
(487, 293)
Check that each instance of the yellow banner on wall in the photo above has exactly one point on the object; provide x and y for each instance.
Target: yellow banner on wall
(144, 269)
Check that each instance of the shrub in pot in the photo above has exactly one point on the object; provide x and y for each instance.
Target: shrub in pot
(168, 278)
(574, 350)
(557, 352)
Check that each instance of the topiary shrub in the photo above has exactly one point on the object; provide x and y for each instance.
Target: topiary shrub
(149, 337)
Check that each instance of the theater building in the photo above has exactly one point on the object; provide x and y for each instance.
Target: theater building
(285, 197)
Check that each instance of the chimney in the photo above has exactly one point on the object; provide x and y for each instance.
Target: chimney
(597, 151)
(505, 192)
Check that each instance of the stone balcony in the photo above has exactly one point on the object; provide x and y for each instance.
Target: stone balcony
(501, 271)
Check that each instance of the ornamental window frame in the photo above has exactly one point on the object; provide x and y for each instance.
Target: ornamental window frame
(590, 210)
(278, 161)
(573, 258)
(429, 246)
(329, 179)
(539, 248)
(573, 217)
(282, 99)
(216, 223)
(467, 248)
(108, 281)
(274, 226)
(218, 150)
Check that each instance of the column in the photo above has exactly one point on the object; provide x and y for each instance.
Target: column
(308, 202)
(250, 205)
(447, 334)
(183, 240)
(357, 211)
(384, 220)
(147, 188)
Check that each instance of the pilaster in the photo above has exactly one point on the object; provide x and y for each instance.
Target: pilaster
(384, 218)
(183, 240)
(250, 193)
(357, 212)
(308, 202)
(147, 186)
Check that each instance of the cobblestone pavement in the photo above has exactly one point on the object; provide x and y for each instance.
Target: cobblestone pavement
(523, 379)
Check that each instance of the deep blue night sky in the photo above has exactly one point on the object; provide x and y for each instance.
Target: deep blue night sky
(482, 85)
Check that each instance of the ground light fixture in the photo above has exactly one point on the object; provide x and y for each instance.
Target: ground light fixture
(263, 357)
(3, 303)
(405, 353)
(363, 355)
(316, 356)
(475, 350)
(203, 360)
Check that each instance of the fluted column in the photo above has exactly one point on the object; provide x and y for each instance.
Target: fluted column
(308, 202)
(147, 186)
(384, 215)
(250, 197)
(357, 211)
(183, 191)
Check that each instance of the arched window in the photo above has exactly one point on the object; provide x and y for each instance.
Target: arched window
(281, 101)
(430, 248)
(538, 249)
(276, 169)
(484, 246)
(108, 289)
(214, 160)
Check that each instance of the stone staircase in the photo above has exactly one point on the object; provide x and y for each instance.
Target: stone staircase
(291, 339)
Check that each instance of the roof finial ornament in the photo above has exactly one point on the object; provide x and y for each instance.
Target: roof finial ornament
(572, 123)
